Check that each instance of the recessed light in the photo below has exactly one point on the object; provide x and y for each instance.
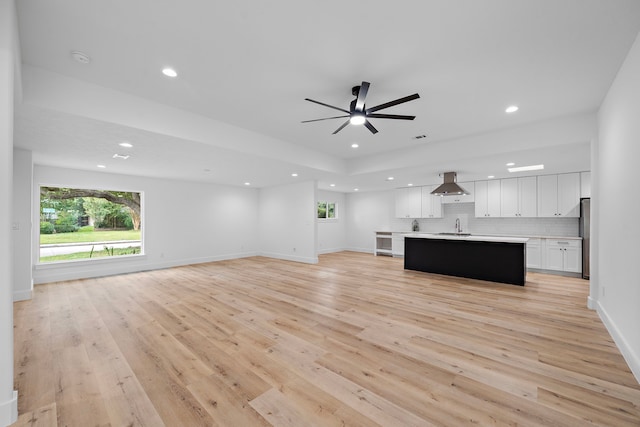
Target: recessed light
(390, 178)
(125, 144)
(491, 176)
(355, 189)
(207, 170)
(354, 145)
(511, 164)
(247, 183)
(80, 57)
(169, 72)
(332, 185)
(526, 168)
(511, 109)
(294, 174)
(101, 166)
(409, 185)
(121, 156)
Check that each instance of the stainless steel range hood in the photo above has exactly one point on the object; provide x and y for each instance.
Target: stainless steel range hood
(450, 187)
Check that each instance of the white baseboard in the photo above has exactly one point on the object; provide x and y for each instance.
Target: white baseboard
(591, 303)
(112, 266)
(9, 411)
(330, 251)
(286, 257)
(630, 356)
(22, 295)
(363, 250)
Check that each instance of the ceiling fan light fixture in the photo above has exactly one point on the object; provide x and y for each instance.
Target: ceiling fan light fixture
(358, 114)
(357, 119)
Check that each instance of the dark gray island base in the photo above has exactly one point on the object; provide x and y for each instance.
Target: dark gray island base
(474, 257)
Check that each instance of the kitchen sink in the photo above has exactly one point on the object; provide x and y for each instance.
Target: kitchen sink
(454, 234)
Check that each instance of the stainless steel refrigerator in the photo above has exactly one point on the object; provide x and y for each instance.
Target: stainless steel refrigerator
(585, 233)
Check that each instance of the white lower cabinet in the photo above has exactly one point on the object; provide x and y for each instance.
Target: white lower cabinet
(397, 245)
(534, 253)
(563, 255)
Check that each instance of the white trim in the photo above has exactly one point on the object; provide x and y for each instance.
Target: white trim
(591, 303)
(49, 273)
(22, 295)
(9, 410)
(330, 251)
(306, 260)
(632, 359)
(363, 250)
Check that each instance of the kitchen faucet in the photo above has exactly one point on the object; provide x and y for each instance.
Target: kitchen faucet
(458, 227)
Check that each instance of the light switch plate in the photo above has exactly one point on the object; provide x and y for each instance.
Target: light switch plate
(15, 226)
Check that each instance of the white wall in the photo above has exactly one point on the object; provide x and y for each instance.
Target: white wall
(332, 233)
(367, 213)
(22, 225)
(8, 64)
(617, 225)
(287, 222)
(183, 222)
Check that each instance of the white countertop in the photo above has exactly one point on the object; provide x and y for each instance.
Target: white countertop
(476, 238)
(412, 233)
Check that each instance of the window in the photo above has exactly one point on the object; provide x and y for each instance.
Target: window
(327, 210)
(78, 224)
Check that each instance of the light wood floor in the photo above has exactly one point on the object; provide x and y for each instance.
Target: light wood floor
(352, 341)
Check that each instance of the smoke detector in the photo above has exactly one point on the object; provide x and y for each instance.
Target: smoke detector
(80, 57)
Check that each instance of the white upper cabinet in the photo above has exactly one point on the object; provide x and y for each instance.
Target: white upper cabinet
(518, 197)
(431, 205)
(408, 202)
(464, 198)
(559, 195)
(487, 196)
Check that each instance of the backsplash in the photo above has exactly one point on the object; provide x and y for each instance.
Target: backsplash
(564, 227)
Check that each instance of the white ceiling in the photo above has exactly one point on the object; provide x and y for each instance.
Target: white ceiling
(245, 68)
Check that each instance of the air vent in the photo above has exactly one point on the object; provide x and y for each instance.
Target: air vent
(120, 156)
(419, 136)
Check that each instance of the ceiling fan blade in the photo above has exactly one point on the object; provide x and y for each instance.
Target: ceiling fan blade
(341, 127)
(327, 105)
(370, 127)
(390, 116)
(362, 94)
(392, 103)
(326, 118)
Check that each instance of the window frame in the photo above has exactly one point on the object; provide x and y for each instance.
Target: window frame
(327, 208)
(107, 259)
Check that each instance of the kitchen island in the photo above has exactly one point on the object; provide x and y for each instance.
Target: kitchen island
(492, 258)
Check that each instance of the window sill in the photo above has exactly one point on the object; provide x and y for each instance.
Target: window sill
(88, 261)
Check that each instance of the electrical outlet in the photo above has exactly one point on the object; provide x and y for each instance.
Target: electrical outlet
(294, 249)
(15, 226)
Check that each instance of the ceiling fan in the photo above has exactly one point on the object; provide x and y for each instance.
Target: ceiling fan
(359, 115)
